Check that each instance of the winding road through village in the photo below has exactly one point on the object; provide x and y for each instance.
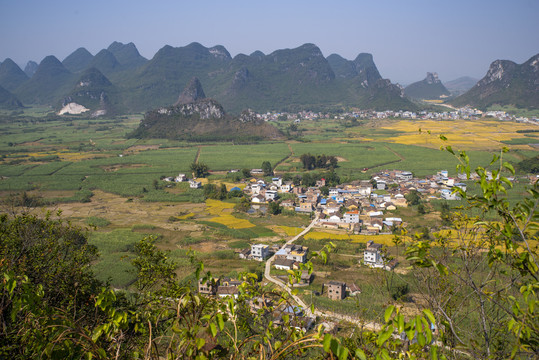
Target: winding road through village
(307, 309)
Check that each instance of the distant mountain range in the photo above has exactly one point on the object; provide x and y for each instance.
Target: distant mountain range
(461, 85)
(118, 79)
(506, 83)
(287, 79)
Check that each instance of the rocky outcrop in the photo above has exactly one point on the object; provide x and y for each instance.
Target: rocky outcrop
(248, 116)
(203, 109)
(73, 109)
(30, 68)
(192, 93)
(196, 118)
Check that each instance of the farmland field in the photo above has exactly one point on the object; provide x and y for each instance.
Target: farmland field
(89, 169)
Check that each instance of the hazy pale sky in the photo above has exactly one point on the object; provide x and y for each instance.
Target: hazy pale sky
(406, 37)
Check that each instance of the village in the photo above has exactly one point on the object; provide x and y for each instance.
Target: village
(358, 207)
(466, 113)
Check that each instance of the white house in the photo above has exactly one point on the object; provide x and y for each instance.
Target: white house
(255, 189)
(277, 181)
(292, 252)
(286, 187)
(372, 256)
(258, 199)
(284, 264)
(180, 178)
(271, 195)
(193, 184)
(351, 217)
(447, 194)
(259, 252)
(406, 175)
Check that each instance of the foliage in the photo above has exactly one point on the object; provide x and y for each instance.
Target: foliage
(274, 208)
(267, 169)
(529, 166)
(46, 287)
(481, 282)
(413, 197)
(322, 161)
(199, 170)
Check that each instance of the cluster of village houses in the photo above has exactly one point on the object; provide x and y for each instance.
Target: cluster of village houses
(462, 113)
(355, 207)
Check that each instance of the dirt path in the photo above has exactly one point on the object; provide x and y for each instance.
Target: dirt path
(285, 158)
(396, 153)
(197, 156)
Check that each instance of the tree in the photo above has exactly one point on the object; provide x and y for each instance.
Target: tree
(223, 193)
(413, 197)
(267, 169)
(199, 170)
(46, 287)
(479, 280)
(243, 205)
(210, 191)
(445, 214)
(274, 208)
(246, 173)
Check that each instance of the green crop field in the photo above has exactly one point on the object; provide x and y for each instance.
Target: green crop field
(226, 157)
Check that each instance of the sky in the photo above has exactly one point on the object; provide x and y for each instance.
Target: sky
(407, 38)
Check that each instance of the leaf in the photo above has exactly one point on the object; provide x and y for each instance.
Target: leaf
(360, 354)
(342, 353)
(277, 345)
(327, 342)
(429, 315)
(433, 353)
(200, 343)
(421, 339)
(388, 313)
(334, 346)
(220, 322)
(382, 337)
(401, 324)
(509, 167)
(213, 329)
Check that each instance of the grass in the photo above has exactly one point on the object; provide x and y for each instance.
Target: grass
(245, 233)
(116, 252)
(226, 157)
(97, 222)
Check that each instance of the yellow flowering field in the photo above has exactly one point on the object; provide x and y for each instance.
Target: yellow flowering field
(185, 217)
(233, 222)
(478, 134)
(63, 155)
(290, 230)
(385, 239)
(381, 239)
(222, 212)
(216, 207)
